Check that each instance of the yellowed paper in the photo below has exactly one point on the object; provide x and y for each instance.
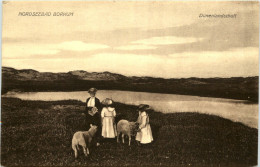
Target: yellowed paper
(194, 65)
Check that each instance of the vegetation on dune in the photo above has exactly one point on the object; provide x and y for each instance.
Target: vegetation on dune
(38, 133)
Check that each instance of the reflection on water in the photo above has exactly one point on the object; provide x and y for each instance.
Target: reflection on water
(235, 110)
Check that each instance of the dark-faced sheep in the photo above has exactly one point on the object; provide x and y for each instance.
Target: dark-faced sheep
(126, 128)
(83, 138)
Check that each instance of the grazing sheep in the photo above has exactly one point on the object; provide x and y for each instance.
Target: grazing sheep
(126, 128)
(84, 139)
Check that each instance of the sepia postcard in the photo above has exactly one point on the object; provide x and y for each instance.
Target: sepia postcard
(130, 83)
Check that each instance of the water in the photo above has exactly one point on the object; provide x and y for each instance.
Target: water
(235, 110)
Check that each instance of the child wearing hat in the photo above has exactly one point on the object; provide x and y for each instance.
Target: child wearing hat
(92, 114)
(144, 135)
(108, 114)
(92, 101)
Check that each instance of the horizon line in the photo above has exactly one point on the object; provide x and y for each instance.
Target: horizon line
(132, 75)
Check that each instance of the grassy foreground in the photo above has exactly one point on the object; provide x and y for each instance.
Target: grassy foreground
(38, 133)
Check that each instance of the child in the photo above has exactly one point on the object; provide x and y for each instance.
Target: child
(93, 101)
(144, 135)
(108, 114)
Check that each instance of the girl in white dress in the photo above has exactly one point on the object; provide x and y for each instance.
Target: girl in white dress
(144, 135)
(108, 114)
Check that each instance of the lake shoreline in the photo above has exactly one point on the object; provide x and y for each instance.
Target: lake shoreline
(235, 100)
(180, 139)
(235, 110)
(231, 88)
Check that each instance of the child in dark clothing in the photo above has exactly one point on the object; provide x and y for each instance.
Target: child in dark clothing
(93, 117)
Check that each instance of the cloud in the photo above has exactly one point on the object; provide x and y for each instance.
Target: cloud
(232, 63)
(25, 50)
(149, 43)
(181, 47)
(229, 55)
(32, 49)
(167, 40)
(136, 47)
(80, 46)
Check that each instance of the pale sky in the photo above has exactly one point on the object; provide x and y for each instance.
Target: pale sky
(159, 39)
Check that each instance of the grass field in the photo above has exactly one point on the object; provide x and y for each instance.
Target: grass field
(38, 133)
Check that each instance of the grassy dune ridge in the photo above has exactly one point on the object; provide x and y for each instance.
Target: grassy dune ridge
(39, 133)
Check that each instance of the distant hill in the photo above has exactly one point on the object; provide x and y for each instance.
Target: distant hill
(29, 74)
(243, 88)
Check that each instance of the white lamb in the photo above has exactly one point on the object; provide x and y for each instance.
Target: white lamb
(126, 128)
(83, 138)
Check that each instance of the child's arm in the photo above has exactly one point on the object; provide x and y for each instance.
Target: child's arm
(102, 116)
(114, 115)
(86, 108)
(143, 121)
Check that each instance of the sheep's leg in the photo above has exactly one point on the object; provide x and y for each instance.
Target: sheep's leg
(85, 151)
(129, 136)
(118, 134)
(123, 138)
(75, 151)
